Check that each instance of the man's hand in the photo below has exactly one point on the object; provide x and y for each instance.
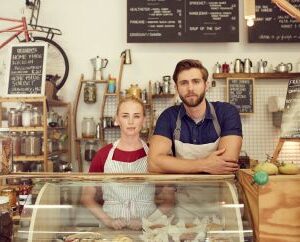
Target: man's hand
(117, 223)
(217, 163)
(135, 224)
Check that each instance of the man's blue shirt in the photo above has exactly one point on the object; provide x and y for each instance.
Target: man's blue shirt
(203, 132)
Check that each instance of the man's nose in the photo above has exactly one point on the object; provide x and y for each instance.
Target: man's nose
(190, 86)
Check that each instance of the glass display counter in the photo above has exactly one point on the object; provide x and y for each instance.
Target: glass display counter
(76, 207)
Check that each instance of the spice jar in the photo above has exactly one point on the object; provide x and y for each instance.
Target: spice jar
(90, 92)
(88, 127)
(14, 118)
(6, 219)
(36, 117)
(33, 144)
(16, 143)
(90, 150)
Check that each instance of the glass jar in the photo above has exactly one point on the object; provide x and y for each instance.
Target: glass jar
(111, 85)
(36, 117)
(52, 118)
(33, 144)
(6, 219)
(90, 92)
(88, 127)
(166, 84)
(14, 118)
(16, 143)
(12, 196)
(90, 149)
(26, 116)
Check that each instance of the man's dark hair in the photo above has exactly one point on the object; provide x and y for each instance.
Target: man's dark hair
(188, 64)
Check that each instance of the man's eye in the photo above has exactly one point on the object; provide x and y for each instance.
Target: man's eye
(183, 82)
(197, 81)
(137, 116)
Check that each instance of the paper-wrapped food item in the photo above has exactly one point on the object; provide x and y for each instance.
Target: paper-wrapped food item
(83, 235)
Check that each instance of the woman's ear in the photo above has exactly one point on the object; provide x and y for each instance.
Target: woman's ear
(116, 121)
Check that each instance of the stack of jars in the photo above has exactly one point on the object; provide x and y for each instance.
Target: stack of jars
(25, 117)
(26, 144)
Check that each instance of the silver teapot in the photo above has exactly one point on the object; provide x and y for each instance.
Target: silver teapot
(261, 66)
(284, 67)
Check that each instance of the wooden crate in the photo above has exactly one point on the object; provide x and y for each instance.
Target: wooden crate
(274, 208)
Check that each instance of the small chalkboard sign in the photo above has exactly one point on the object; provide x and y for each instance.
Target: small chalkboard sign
(290, 126)
(26, 70)
(240, 93)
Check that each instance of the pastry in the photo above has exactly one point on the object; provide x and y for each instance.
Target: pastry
(122, 238)
(83, 235)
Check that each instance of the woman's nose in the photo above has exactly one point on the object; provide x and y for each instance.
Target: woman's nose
(130, 120)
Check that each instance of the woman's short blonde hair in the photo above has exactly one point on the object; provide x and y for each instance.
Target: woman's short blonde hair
(131, 99)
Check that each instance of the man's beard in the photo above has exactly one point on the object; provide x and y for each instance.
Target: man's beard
(192, 103)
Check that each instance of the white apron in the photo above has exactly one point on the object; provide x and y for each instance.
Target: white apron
(127, 200)
(190, 200)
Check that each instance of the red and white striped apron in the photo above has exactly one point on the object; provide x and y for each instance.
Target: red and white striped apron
(131, 200)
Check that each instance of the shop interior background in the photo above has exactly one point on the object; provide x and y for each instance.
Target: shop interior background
(98, 28)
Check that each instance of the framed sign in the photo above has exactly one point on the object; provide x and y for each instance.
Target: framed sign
(240, 93)
(169, 21)
(26, 72)
(273, 25)
(290, 126)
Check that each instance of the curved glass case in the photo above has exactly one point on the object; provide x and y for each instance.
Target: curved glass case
(134, 208)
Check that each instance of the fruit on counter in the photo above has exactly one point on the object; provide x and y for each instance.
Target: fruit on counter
(267, 167)
(288, 169)
(260, 178)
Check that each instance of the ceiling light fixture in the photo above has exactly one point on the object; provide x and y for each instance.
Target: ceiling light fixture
(249, 12)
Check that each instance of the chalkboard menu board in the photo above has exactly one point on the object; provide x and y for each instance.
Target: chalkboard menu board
(240, 93)
(26, 70)
(290, 126)
(273, 25)
(182, 21)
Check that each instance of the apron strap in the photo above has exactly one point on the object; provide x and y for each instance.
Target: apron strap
(215, 119)
(176, 133)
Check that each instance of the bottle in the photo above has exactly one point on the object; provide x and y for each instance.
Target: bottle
(98, 130)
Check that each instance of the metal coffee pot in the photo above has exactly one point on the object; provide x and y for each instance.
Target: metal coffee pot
(238, 66)
(284, 67)
(247, 65)
(261, 66)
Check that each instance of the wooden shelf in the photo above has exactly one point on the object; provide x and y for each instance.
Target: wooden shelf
(57, 103)
(23, 99)
(271, 75)
(56, 128)
(27, 129)
(110, 94)
(58, 152)
(86, 139)
(163, 95)
(28, 158)
(94, 81)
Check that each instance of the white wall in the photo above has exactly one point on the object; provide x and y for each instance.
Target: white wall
(98, 27)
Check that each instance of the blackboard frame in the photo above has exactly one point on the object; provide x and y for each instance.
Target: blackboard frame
(43, 75)
(252, 81)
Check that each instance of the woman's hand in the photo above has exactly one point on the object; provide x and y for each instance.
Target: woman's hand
(117, 223)
(135, 224)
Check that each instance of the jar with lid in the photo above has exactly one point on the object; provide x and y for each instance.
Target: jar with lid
(14, 118)
(26, 116)
(52, 118)
(90, 150)
(33, 144)
(6, 219)
(90, 92)
(16, 143)
(36, 117)
(88, 127)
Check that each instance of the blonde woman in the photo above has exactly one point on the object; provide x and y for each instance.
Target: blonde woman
(124, 204)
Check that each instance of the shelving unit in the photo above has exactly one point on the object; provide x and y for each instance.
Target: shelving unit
(78, 139)
(271, 75)
(46, 104)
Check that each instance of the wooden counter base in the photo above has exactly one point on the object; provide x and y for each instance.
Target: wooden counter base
(274, 207)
